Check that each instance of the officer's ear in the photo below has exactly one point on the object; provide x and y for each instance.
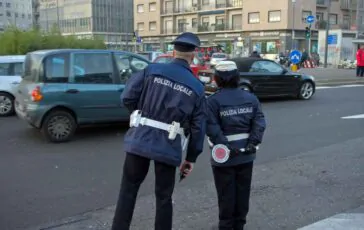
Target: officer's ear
(192, 57)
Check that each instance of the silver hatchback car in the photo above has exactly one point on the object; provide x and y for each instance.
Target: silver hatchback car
(11, 68)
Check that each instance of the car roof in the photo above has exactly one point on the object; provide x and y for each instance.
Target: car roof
(55, 51)
(244, 63)
(12, 58)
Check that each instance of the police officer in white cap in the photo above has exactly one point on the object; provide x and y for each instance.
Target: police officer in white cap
(235, 128)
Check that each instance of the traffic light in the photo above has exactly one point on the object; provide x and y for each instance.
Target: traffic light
(308, 32)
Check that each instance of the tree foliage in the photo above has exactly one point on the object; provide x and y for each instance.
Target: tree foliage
(14, 41)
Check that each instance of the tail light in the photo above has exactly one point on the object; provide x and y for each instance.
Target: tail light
(37, 94)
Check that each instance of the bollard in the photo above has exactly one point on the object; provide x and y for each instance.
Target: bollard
(294, 68)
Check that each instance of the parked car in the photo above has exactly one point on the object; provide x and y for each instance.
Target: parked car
(265, 78)
(64, 89)
(217, 57)
(11, 68)
(196, 65)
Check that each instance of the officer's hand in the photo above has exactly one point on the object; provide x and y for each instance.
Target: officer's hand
(234, 151)
(250, 149)
(186, 168)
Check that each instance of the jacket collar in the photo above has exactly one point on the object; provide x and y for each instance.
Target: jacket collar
(183, 63)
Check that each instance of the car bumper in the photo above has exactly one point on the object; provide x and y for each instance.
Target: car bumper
(31, 115)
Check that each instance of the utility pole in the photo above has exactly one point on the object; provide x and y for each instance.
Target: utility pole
(327, 32)
(293, 24)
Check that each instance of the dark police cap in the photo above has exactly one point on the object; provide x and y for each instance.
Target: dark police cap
(186, 42)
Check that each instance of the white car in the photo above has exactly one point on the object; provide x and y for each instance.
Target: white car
(217, 57)
(11, 68)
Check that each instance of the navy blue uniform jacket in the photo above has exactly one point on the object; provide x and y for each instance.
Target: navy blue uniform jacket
(235, 111)
(166, 93)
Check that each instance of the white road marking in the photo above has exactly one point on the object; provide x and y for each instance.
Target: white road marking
(349, 221)
(359, 116)
(340, 86)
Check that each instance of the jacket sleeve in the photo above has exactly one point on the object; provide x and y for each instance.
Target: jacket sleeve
(214, 131)
(133, 89)
(197, 130)
(258, 125)
(358, 57)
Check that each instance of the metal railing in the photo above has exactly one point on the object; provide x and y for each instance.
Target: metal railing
(322, 2)
(203, 28)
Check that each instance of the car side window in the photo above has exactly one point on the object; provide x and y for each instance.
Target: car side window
(138, 64)
(56, 68)
(164, 60)
(18, 69)
(128, 64)
(92, 68)
(4, 69)
(265, 67)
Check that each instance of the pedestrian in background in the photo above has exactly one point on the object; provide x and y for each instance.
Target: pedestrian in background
(235, 120)
(360, 61)
(168, 105)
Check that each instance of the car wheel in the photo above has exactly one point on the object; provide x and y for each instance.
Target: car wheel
(59, 126)
(306, 90)
(6, 105)
(246, 88)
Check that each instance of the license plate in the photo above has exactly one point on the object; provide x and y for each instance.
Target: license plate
(205, 79)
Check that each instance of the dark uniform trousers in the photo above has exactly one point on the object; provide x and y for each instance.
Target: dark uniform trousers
(135, 170)
(233, 185)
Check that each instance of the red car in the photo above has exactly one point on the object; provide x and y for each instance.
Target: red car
(196, 65)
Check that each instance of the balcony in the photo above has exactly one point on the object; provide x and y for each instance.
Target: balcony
(167, 11)
(219, 27)
(322, 3)
(348, 4)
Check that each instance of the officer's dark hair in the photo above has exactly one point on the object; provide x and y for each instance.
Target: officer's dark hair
(233, 82)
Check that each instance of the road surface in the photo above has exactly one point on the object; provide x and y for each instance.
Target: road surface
(309, 168)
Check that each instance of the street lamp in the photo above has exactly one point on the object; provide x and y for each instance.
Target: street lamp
(293, 25)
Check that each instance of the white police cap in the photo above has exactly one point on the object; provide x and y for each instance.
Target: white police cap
(226, 66)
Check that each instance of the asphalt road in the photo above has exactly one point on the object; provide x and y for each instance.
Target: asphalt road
(309, 167)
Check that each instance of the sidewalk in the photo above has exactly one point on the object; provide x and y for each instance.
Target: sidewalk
(309, 195)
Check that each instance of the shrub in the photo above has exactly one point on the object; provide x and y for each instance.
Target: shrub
(14, 41)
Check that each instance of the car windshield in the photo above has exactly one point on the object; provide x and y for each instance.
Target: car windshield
(219, 55)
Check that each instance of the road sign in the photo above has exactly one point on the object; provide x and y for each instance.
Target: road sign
(139, 40)
(310, 19)
(295, 56)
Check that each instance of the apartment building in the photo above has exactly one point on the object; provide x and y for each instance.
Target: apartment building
(16, 13)
(269, 25)
(110, 20)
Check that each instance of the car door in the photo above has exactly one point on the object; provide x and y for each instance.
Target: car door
(127, 65)
(92, 87)
(276, 80)
(10, 76)
(257, 77)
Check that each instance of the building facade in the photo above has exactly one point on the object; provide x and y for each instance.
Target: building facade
(16, 13)
(269, 25)
(110, 20)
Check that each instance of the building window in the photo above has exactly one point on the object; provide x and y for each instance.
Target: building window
(219, 20)
(152, 6)
(205, 21)
(274, 16)
(152, 26)
(194, 22)
(253, 18)
(305, 14)
(140, 26)
(8, 14)
(319, 16)
(333, 19)
(237, 21)
(8, 5)
(205, 2)
(181, 25)
(140, 8)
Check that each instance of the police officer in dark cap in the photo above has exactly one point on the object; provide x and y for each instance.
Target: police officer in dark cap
(168, 116)
(235, 128)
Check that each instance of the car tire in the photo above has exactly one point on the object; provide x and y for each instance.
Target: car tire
(6, 105)
(59, 126)
(246, 88)
(306, 90)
